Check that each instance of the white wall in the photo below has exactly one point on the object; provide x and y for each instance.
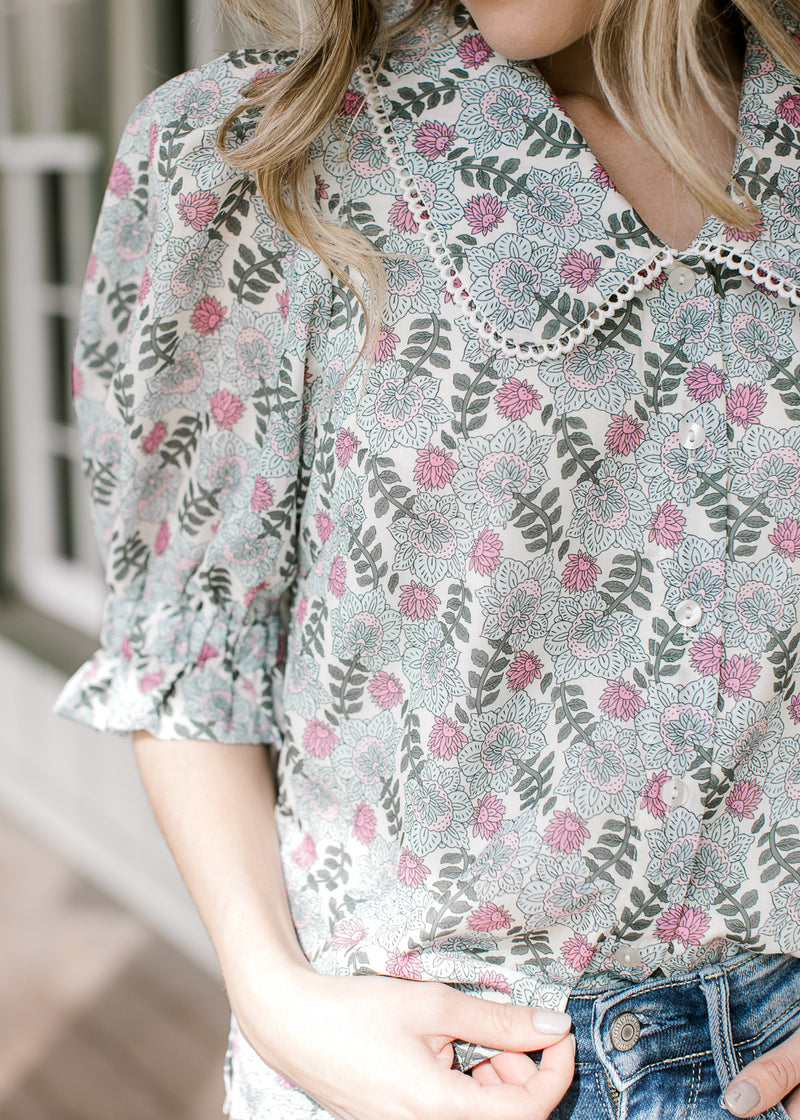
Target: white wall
(79, 791)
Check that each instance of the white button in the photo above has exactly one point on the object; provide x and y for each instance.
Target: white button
(688, 613)
(674, 793)
(691, 434)
(681, 279)
(628, 957)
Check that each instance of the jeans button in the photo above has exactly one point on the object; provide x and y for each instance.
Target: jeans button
(625, 1031)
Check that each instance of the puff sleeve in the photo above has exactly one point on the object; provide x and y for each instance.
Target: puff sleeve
(190, 401)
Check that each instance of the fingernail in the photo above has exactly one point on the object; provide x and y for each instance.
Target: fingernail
(551, 1022)
(741, 1098)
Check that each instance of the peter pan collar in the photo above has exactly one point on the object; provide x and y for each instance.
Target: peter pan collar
(539, 268)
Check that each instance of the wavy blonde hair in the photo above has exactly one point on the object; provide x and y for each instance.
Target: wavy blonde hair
(656, 61)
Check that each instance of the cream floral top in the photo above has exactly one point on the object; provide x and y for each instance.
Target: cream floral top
(517, 603)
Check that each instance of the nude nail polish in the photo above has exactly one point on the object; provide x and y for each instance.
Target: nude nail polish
(551, 1022)
(741, 1098)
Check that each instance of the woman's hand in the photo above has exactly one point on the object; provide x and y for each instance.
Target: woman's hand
(378, 1048)
(772, 1078)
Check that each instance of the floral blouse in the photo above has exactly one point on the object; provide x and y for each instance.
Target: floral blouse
(517, 603)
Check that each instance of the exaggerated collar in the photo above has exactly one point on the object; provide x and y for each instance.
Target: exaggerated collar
(532, 239)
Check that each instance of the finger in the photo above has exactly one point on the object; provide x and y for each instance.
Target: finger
(792, 1105)
(500, 1026)
(485, 1074)
(766, 1080)
(513, 1069)
(535, 1100)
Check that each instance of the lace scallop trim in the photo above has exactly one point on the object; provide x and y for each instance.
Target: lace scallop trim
(454, 284)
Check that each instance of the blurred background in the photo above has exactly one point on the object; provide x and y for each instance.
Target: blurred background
(110, 1004)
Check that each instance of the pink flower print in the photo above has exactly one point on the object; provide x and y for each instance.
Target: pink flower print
(149, 681)
(154, 437)
(786, 538)
(411, 871)
(666, 525)
(487, 816)
(621, 699)
(348, 933)
(225, 408)
(120, 180)
(321, 188)
(434, 139)
(794, 709)
(364, 824)
(446, 738)
(706, 655)
(434, 467)
(705, 383)
(345, 446)
(76, 381)
(125, 648)
(336, 576)
(144, 287)
(738, 676)
(263, 494)
(484, 212)
(624, 434)
(577, 952)
(600, 176)
(580, 572)
(686, 924)
(401, 217)
(387, 340)
(496, 981)
(745, 404)
(566, 831)
(789, 108)
(745, 233)
(319, 738)
(652, 800)
(515, 399)
(283, 304)
(208, 316)
(484, 556)
(743, 800)
(489, 917)
(525, 668)
(352, 103)
(404, 965)
(198, 209)
(151, 139)
(418, 601)
(301, 609)
(206, 654)
(91, 268)
(386, 690)
(579, 269)
(473, 51)
(324, 524)
(162, 538)
(305, 854)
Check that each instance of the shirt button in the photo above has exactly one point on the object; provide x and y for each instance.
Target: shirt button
(688, 613)
(624, 1031)
(628, 957)
(674, 793)
(691, 434)
(681, 279)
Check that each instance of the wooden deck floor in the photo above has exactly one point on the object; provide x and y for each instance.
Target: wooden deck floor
(99, 1018)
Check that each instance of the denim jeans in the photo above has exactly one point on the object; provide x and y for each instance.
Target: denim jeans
(683, 1038)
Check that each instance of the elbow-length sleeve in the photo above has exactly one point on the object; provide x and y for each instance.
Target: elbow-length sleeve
(190, 403)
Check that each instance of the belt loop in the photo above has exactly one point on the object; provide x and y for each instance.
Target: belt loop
(715, 990)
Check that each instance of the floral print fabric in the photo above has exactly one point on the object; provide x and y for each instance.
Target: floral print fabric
(517, 603)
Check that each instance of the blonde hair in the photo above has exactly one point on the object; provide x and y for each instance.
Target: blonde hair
(656, 60)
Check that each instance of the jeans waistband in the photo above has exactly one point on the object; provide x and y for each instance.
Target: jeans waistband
(676, 1016)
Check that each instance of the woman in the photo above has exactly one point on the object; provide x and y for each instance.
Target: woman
(471, 485)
